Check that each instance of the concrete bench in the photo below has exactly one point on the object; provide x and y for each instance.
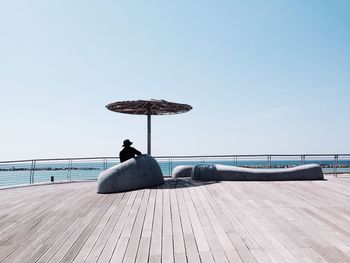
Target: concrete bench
(136, 173)
(217, 172)
(182, 171)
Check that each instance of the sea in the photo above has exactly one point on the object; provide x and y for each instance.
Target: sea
(15, 174)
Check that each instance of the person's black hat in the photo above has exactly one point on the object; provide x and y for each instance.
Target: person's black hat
(126, 143)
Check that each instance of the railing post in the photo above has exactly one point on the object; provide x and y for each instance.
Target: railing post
(32, 170)
(30, 173)
(69, 174)
(170, 166)
(269, 161)
(104, 163)
(335, 164)
(302, 159)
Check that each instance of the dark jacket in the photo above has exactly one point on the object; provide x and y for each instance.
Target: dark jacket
(128, 153)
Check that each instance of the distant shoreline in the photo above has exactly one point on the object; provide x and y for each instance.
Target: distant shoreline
(13, 169)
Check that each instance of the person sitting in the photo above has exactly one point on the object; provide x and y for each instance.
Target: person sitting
(128, 152)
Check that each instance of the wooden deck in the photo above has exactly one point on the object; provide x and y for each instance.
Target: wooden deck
(182, 221)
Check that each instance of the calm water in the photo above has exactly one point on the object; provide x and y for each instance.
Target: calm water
(19, 174)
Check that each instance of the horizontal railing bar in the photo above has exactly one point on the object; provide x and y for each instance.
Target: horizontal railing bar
(252, 155)
(59, 159)
(180, 156)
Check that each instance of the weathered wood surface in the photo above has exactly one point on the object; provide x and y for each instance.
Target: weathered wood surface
(180, 221)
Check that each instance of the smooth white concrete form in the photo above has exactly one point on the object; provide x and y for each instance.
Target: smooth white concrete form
(182, 171)
(217, 172)
(136, 173)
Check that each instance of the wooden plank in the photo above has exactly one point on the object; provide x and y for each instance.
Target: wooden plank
(80, 210)
(145, 240)
(191, 248)
(198, 231)
(235, 247)
(193, 257)
(261, 256)
(178, 239)
(62, 248)
(32, 245)
(120, 249)
(93, 229)
(91, 254)
(133, 245)
(185, 220)
(156, 238)
(206, 257)
(149, 217)
(180, 258)
(220, 246)
(264, 238)
(125, 235)
(167, 230)
(167, 249)
(242, 249)
(108, 249)
(143, 251)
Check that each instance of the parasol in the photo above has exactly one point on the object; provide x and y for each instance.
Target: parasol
(148, 107)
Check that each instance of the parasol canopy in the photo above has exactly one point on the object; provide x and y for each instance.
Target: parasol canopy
(148, 107)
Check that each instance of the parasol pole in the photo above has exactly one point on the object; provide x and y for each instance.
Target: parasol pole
(149, 132)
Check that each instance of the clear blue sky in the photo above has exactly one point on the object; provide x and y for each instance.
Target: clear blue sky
(262, 76)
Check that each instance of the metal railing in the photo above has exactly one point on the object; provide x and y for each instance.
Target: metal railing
(24, 172)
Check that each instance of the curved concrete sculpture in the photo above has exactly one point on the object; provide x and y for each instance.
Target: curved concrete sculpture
(219, 172)
(136, 173)
(182, 171)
